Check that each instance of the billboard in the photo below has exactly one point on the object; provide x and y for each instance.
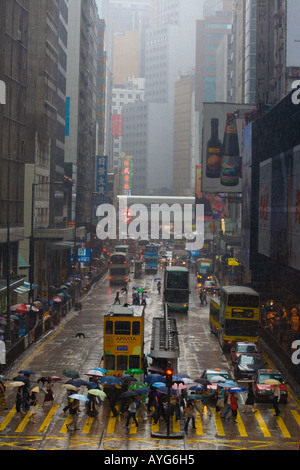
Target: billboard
(101, 175)
(247, 194)
(117, 125)
(293, 33)
(222, 144)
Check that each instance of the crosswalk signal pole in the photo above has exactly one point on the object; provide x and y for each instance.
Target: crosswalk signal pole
(169, 380)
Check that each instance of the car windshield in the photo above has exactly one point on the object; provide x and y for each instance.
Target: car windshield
(246, 348)
(263, 377)
(255, 360)
(209, 375)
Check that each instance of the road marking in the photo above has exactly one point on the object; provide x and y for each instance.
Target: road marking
(282, 426)
(8, 418)
(219, 424)
(64, 429)
(241, 427)
(48, 418)
(24, 422)
(296, 416)
(176, 424)
(262, 424)
(87, 425)
(133, 427)
(111, 424)
(199, 427)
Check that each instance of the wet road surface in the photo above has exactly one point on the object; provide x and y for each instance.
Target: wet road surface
(199, 349)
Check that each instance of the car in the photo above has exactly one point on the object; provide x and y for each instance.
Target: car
(214, 374)
(243, 347)
(264, 392)
(247, 365)
(210, 287)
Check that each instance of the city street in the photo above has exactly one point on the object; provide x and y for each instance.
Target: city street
(199, 349)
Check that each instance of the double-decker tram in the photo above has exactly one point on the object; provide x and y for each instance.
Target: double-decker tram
(176, 288)
(204, 270)
(123, 339)
(239, 315)
(214, 316)
(151, 258)
(118, 268)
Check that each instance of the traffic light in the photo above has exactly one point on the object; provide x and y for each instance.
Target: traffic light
(169, 377)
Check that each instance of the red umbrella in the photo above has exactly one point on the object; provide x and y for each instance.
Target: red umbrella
(22, 308)
(57, 299)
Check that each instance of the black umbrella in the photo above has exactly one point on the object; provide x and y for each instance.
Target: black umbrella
(127, 378)
(26, 372)
(77, 382)
(203, 381)
(22, 378)
(129, 394)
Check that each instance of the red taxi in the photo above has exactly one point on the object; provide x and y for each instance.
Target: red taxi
(243, 347)
(214, 376)
(263, 391)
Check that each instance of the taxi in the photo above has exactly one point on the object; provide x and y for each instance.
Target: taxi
(243, 347)
(263, 391)
(214, 376)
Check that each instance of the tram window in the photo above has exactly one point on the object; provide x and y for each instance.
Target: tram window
(109, 328)
(110, 361)
(122, 362)
(136, 328)
(122, 328)
(134, 362)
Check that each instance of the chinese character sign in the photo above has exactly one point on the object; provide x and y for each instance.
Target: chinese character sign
(101, 175)
(126, 176)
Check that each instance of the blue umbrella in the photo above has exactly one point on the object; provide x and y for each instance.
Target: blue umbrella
(197, 388)
(142, 390)
(92, 385)
(110, 380)
(77, 396)
(236, 389)
(151, 378)
(228, 384)
(176, 378)
(100, 369)
(26, 372)
(158, 384)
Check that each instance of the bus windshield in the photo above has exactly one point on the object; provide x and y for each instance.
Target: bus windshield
(178, 280)
(117, 259)
(243, 300)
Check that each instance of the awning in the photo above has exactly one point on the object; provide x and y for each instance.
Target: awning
(25, 288)
(22, 263)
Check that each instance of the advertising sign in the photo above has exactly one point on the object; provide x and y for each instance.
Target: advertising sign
(83, 255)
(293, 33)
(222, 147)
(265, 195)
(101, 175)
(117, 125)
(126, 176)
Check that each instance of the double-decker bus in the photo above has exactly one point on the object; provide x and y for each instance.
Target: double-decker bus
(122, 249)
(239, 315)
(151, 258)
(123, 341)
(204, 270)
(118, 268)
(214, 316)
(176, 288)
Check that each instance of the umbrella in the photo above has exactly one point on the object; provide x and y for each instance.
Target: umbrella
(183, 375)
(56, 299)
(158, 370)
(272, 382)
(23, 308)
(53, 378)
(236, 390)
(15, 384)
(77, 382)
(136, 385)
(194, 397)
(175, 378)
(129, 394)
(198, 388)
(94, 373)
(38, 304)
(92, 385)
(151, 378)
(158, 384)
(185, 380)
(1, 332)
(143, 390)
(228, 384)
(165, 389)
(110, 380)
(77, 396)
(203, 381)
(133, 372)
(179, 386)
(70, 387)
(26, 372)
(38, 390)
(217, 378)
(21, 378)
(64, 287)
(97, 393)
(73, 374)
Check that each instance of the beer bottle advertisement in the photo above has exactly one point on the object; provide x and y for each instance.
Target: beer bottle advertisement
(230, 167)
(214, 152)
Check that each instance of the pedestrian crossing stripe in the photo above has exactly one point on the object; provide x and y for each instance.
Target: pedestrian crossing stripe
(48, 418)
(282, 426)
(24, 421)
(262, 424)
(8, 418)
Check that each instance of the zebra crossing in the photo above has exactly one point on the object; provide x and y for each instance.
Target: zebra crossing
(263, 423)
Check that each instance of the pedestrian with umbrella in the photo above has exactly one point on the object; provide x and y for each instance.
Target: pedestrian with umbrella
(112, 398)
(233, 405)
(49, 397)
(250, 400)
(74, 410)
(132, 407)
(91, 408)
(190, 414)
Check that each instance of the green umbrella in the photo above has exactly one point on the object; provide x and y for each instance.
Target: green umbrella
(137, 385)
(134, 372)
(72, 374)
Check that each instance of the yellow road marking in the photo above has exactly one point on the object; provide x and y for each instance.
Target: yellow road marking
(262, 424)
(88, 424)
(64, 429)
(8, 418)
(111, 425)
(176, 424)
(48, 418)
(296, 416)
(133, 428)
(282, 426)
(241, 427)
(199, 427)
(219, 424)
(24, 422)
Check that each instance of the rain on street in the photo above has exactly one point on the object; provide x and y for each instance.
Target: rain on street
(199, 349)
